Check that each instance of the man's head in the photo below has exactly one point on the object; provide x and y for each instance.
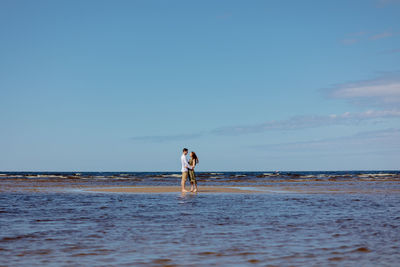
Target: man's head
(185, 151)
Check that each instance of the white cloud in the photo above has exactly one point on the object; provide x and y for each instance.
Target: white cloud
(392, 51)
(350, 41)
(165, 138)
(381, 35)
(383, 3)
(293, 123)
(356, 37)
(310, 121)
(381, 140)
(384, 90)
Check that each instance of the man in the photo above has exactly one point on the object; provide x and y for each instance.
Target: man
(185, 167)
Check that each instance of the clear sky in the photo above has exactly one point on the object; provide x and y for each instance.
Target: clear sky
(248, 85)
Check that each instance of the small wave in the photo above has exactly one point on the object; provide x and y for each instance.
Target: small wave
(376, 175)
(308, 176)
(172, 175)
(271, 174)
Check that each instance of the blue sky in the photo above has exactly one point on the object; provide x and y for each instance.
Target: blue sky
(248, 85)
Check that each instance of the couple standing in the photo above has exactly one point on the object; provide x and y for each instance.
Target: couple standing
(188, 170)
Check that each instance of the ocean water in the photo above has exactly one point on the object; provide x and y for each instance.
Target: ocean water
(206, 178)
(63, 225)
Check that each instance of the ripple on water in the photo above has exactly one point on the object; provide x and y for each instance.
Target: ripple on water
(220, 229)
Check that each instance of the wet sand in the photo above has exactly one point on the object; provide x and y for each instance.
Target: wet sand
(290, 187)
(296, 188)
(171, 189)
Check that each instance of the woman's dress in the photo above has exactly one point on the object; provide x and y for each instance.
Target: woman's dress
(192, 175)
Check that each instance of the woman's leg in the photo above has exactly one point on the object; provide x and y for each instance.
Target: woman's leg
(195, 186)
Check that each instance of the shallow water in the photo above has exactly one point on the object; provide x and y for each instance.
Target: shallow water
(106, 229)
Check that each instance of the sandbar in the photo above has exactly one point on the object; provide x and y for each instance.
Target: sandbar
(299, 189)
(171, 189)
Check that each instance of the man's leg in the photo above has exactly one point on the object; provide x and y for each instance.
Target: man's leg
(184, 177)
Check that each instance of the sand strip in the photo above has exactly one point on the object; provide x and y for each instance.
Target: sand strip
(171, 189)
(300, 189)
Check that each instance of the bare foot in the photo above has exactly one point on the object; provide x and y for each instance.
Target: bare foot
(195, 191)
(184, 191)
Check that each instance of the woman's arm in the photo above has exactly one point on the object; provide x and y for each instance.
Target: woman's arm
(187, 165)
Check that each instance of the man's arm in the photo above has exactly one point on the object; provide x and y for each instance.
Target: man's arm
(187, 165)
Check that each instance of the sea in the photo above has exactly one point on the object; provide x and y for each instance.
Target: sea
(346, 218)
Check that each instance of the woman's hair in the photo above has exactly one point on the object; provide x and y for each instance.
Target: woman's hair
(194, 156)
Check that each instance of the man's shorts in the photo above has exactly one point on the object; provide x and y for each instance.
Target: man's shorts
(184, 176)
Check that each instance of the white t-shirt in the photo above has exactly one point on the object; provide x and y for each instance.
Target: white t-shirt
(185, 164)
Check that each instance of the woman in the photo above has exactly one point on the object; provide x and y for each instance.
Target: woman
(193, 162)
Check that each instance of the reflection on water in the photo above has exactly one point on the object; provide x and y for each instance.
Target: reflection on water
(199, 229)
